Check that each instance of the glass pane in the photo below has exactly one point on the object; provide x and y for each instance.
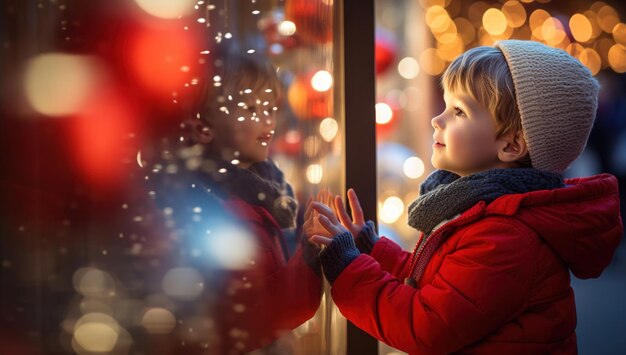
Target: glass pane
(159, 157)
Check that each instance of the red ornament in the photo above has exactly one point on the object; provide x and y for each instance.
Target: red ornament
(385, 50)
(313, 19)
(306, 102)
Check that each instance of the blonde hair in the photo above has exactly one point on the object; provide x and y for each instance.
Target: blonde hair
(483, 73)
(238, 72)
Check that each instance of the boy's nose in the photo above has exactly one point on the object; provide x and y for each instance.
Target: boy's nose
(437, 122)
(269, 120)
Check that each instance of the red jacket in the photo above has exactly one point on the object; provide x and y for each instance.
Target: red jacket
(278, 293)
(498, 284)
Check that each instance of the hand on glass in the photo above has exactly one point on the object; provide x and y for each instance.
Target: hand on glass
(312, 225)
(357, 222)
(328, 220)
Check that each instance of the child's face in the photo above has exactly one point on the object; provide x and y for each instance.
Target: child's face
(243, 125)
(465, 136)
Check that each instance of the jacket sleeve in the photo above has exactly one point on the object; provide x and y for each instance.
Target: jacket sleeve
(479, 286)
(392, 258)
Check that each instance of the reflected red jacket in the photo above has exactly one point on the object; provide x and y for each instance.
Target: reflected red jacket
(276, 293)
(499, 283)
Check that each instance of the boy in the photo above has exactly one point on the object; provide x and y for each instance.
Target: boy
(500, 228)
(231, 213)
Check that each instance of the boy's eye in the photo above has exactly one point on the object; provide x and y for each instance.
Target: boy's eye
(459, 112)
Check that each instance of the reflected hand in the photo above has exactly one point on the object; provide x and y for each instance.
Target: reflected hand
(330, 223)
(312, 225)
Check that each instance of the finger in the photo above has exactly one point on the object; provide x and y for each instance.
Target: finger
(326, 211)
(355, 206)
(318, 239)
(333, 228)
(340, 209)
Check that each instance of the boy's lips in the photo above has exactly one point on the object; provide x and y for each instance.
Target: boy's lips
(438, 144)
(265, 138)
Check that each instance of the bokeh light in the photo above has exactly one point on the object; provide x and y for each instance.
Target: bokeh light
(314, 173)
(408, 67)
(414, 167)
(384, 113)
(494, 21)
(92, 282)
(96, 332)
(232, 246)
(515, 13)
(580, 26)
(617, 58)
(287, 28)
(591, 59)
(167, 9)
(183, 283)
(58, 84)
(158, 320)
(329, 129)
(322, 81)
(391, 209)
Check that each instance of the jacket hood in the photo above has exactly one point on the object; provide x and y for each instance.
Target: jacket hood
(581, 221)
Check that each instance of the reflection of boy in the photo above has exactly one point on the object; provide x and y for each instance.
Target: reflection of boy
(232, 210)
(501, 230)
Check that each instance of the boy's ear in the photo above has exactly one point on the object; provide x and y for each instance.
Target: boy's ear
(201, 131)
(512, 148)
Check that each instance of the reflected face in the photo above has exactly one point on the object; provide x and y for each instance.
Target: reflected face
(465, 136)
(243, 125)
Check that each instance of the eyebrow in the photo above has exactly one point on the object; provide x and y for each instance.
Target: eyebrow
(466, 100)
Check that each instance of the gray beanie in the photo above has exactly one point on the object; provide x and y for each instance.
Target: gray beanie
(557, 98)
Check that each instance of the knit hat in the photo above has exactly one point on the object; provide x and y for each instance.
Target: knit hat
(557, 98)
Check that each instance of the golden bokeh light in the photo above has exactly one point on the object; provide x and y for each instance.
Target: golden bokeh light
(449, 51)
(448, 34)
(465, 29)
(580, 26)
(167, 9)
(494, 21)
(591, 59)
(314, 173)
(437, 18)
(476, 10)
(553, 31)
(515, 13)
(574, 49)
(607, 18)
(58, 84)
(429, 3)
(603, 45)
(617, 58)
(593, 19)
(619, 33)
(537, 19)
(431, 63)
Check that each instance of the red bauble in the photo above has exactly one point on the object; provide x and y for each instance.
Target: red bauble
(313, 19)
(385, 51)
(306, 102)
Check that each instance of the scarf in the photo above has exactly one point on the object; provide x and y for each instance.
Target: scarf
(444, 195)
(262, 184)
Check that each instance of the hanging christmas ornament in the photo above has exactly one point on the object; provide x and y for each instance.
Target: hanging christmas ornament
(310, 95)
(312, 19)
(386, 50)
